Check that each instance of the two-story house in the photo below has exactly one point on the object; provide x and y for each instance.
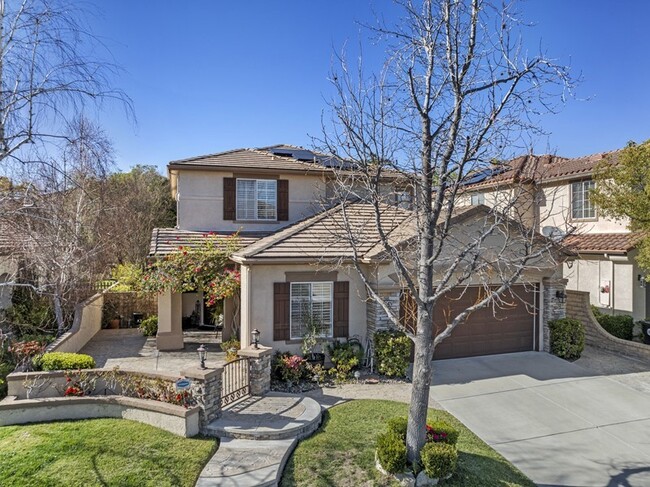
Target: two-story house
(295, 264)
(552, 194)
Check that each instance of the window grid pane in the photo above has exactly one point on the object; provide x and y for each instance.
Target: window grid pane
(245, 199)
(581, 205)
(311, 300)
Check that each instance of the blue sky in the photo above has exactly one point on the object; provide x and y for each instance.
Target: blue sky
(207, 76)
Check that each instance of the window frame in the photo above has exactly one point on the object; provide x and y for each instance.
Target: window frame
(257, 200)
(480, 199)
(585, 199)
(330, 334)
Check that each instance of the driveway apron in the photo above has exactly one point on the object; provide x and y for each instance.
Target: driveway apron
(559, 423)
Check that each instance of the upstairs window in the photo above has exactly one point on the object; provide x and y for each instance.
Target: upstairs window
(257, 199)
(581, 206)
(478, 199)
(311, 302)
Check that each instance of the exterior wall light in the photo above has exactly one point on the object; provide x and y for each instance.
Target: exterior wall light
(561, 296)
(203, 354)
(256, 337)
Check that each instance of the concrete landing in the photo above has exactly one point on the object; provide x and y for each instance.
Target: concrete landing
(274, 416)
(258, 434)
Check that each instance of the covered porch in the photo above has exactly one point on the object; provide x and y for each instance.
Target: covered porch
(180, 315)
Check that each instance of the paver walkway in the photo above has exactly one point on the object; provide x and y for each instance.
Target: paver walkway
(258, 434)
(128, 349)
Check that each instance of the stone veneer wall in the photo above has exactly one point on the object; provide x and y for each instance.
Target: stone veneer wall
(579, 307)
(376, 316)
(206, 386)
(552, 308)
(259, 360)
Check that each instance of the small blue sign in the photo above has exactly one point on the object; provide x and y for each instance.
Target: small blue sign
(183, 384)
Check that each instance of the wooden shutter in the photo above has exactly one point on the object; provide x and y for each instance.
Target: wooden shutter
(281, 293)
(341, 309)
(229, 199)
(283, 199)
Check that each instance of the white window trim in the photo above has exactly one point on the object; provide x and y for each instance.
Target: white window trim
(331, 331)
(477, 199)
(256, 217)
(585, 195)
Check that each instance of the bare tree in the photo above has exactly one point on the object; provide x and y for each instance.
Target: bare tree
(50, 68)
(58, 217)
(457, 90)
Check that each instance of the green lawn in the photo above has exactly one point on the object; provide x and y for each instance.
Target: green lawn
(342, 452)
(102, 452)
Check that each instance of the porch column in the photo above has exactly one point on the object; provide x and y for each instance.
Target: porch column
(260, 368)
(170, 315)
(246, 290)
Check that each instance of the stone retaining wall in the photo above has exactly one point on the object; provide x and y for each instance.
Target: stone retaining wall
(579, 307)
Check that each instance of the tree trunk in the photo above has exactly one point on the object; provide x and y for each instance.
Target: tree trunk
(422, 372)
(58, 313)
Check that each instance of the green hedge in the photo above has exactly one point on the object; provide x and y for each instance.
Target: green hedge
(439, 459)
(621, 326)
(567, 338)
(392, 351)
(391, 452)
(149, 326)
(65, 361)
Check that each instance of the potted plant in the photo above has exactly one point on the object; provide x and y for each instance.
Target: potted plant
(311, 341)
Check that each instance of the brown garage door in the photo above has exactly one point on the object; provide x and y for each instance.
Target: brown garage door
(510, 328)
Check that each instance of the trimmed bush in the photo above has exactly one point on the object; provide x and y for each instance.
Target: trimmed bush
(441, 432)
(65, 361)
(149, 326)
(621, 326)
(567, 338)
(391, 452)
(439, 459)
(398, 426)
(392, 351)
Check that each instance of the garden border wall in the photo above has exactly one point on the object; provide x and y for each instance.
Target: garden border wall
(169, 417)
(578, 306)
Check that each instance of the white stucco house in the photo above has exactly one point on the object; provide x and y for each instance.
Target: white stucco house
(554, 197)
(292, 259)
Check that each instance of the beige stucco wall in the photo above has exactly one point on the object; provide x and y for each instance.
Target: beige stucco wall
(626, 295)
(257, 305)
(555, 211)
(200, 201)
(87, 322)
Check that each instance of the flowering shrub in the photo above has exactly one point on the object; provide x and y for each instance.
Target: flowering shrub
(294, 368)
(437, 431)
(84, 383)
(207, 267)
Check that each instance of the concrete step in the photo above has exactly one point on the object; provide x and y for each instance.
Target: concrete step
(275, 416)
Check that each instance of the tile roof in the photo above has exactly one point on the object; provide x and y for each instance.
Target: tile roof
(603, 242)
(278, 157)
(546, 168)
(324, 235)
(167, 240)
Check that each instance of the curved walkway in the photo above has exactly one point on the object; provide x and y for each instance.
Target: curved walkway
(258, 434)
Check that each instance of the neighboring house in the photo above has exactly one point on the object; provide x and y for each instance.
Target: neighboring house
(295, 263)
(553, 195)
(8, 266)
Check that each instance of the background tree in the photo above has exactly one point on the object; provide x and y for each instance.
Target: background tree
(456, 89)
(51, 66)
(58, 217)
(140, 201)
(623, 192)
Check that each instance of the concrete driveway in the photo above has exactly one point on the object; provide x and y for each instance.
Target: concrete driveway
(559, 423)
